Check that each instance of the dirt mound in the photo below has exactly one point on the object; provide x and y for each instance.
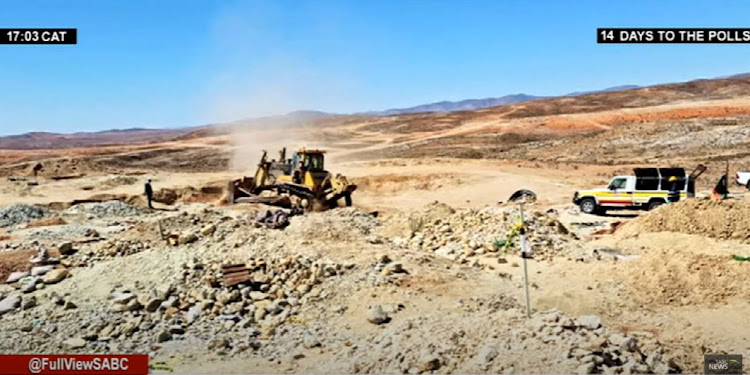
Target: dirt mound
(209, 193)
(407, 225)
(14, 261)
(466, 233)
(682, 270)
(338, 224)
(46, 222)
(726, 220)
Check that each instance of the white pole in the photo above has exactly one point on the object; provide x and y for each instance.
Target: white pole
(523, 255)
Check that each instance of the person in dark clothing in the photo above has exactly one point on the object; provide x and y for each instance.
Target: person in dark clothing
(720, 191)
(37, 168)
(299, 174)
(149, 193)
(674, 191)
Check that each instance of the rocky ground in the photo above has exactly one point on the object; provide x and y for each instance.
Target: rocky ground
(416, 287)
(432, 290)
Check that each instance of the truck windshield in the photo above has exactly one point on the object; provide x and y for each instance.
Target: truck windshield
(617, 183)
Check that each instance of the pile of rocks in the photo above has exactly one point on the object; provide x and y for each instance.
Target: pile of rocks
(113, 208)
(61, 232)
(138, 318)
(20, 213)
(117, 247)
(341, 224)
(599, 350)
(462, 234)
(44, 270)
(505, 341)
(200, 305)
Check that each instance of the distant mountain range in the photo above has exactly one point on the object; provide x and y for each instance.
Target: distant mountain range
(42, 140)
(463, 105)
(47, 140)
(474, 104)
(611, 89)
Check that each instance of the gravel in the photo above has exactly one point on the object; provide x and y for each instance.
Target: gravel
(19, 214)
(56, 233)
(107, 209)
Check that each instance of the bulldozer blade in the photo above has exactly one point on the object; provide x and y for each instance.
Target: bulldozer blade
(278, 200)
(240, 188)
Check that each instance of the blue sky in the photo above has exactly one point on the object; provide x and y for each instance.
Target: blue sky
(180, 63)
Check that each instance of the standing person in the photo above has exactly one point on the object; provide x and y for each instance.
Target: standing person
(720, 191)
(300, 173)
(37, 168)
(149, 193)
(674, 191)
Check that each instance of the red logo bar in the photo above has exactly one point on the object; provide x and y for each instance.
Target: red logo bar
(73, 364)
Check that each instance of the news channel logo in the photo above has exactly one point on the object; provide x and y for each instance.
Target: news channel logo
(722, 364)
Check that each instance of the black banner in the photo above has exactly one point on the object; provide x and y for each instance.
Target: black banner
(38, 36)
(672, 35)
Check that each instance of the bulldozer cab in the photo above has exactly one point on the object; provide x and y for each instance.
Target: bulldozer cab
(308, 169)
(312, 161)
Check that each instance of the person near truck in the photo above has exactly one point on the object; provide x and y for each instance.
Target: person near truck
(674, 191)
(720, 191)
(149, 193)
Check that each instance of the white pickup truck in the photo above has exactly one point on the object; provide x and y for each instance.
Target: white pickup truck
(743, 179)
(646, 189)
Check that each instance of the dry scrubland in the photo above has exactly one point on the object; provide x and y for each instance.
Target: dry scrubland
(428, 284)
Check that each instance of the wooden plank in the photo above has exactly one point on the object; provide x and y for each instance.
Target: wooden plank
(237, 268)
(230, 281)
(235, 274)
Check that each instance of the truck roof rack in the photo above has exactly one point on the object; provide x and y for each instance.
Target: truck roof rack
(659, 172)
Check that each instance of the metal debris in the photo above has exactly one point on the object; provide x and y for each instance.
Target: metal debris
(235, 274)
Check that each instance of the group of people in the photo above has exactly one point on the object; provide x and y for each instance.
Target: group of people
(720, 191)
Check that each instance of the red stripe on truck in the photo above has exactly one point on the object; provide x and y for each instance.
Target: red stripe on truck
(615, 202)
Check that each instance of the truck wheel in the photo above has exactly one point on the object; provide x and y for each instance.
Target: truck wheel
(588, 206)
(654, 204)
(348, 200)
(747, 185)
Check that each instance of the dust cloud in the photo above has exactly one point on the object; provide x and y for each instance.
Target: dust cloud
(256, 80)
(248, 145)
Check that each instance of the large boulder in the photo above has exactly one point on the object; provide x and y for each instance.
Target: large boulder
(589, 322)
(41, 270)
(10, 303)
(376, 315)
(73, 343)
(187, 237)
(15, 276)
(55, 276)
(65, 248)
(208, 229)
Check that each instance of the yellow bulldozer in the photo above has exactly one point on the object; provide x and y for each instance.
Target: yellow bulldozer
(298, 182)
